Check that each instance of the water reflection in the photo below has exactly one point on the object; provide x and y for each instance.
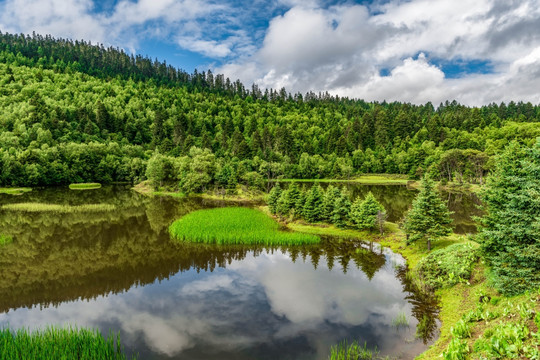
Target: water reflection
(120, 270)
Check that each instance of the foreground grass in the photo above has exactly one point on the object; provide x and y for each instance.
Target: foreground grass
(353, 351)
(41, 207)
(85, 186)
(59, 343)
(15, 191)
(235, 225)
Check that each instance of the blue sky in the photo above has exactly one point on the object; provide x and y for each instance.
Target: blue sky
(475, 52)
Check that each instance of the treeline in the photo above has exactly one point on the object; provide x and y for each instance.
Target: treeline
(72, 111)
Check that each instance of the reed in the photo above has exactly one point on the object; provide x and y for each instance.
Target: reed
(353, 351)
(400, 321)
(235, 225)
(59, 343)
(4, 239)
(42, 207)
(85, 186)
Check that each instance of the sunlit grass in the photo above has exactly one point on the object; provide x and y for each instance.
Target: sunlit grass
(235, 225)
(59, 343)
(85, 186)
(14, 191)
(353, 351)
(4, 239)
(41, 207)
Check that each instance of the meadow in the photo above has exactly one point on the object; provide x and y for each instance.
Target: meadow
(59, 343)
(85, 186)
(235, 225)
(58, 208)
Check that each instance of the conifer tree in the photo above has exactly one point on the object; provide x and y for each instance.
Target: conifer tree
(284, 204)
(330, 195)
(364, 212)
(341, 210)
(294, 195)
(273, 198)
(510, 230)
(300, 202)
(429, 217)
(313, 206)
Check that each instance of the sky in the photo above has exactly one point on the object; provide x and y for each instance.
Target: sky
(473, 51)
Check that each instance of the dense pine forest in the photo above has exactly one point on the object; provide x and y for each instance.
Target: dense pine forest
(71, 111)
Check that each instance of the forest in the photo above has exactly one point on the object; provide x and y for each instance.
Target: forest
(72, 111)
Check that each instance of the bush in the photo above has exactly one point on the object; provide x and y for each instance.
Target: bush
(446, 267)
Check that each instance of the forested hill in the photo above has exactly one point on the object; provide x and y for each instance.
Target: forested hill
(72, 112)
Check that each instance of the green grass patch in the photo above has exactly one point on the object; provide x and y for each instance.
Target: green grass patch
(4, 239)
(85, 186)
(41, 207)
(400, 321)
(59, 343)
(235, 225)
(375, 179)
(448, 266)
(15, 191)
(353, 351)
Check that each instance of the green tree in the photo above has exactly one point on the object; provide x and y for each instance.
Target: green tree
(313, 206)
(510, 230)
(429, 217)
(156, 170)
(273, 198)
(364, 212)
(341, 210)
(330, 195)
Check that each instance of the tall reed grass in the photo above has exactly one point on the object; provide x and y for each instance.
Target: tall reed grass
(41, 207)
(84, 186)
(59, 343)
(235, 225)
(353, 351)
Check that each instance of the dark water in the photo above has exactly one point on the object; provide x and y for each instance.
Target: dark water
(397, 199)
(120, 271)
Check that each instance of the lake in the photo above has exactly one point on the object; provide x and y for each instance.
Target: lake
(120, 271)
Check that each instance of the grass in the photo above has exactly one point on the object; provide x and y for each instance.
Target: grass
(85, 186)
(375, 179)
(235, 225)
(59, 343)
(400, 321)
(15, 191)
(41, 207)
(353, 351)
(4, 239)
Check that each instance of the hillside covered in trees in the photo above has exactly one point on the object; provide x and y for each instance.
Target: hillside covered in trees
(76, 112)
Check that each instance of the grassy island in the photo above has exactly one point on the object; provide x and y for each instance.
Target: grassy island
(15, 191)
(41, 207)
(235, 225)
(59, 343)
(85, 186)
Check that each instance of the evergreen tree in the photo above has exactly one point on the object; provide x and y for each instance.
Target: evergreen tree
(510, 230)
(429, 217)
(294, 195)
(300, 202)
(364, 212)
(284, 204)
(341, 210)
(313, 206)
(273, 198)
(331, 194)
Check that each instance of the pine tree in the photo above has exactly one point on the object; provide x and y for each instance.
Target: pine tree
(341, 210)
(283, 206)
(510, 230)
(293, 198)
(273, 198)
(429, 217)
(300, 202)
(313, 206)
(364, 212)
(331, 194)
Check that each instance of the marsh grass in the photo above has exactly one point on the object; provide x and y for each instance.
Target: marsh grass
(235, 225)
(42, 207)
(59, 343)
(400, 321)
(353, 351)
(85, 186)
(4, 239)
(14, 191)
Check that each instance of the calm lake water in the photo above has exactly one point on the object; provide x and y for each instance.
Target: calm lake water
(120, 271)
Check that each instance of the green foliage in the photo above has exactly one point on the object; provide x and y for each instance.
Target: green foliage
(400, 321)
(41, 207)
(363, 213)
(456, 350)
(59, 343)
(330, 195)
(273, 198)
(341, 211)
(235, 225)
(429, 217)
(510, 231)
(85, 186)
(507, 341)
(313, 210)
(14, 191)
(448, 266)
(5, 239)
(461, 330)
